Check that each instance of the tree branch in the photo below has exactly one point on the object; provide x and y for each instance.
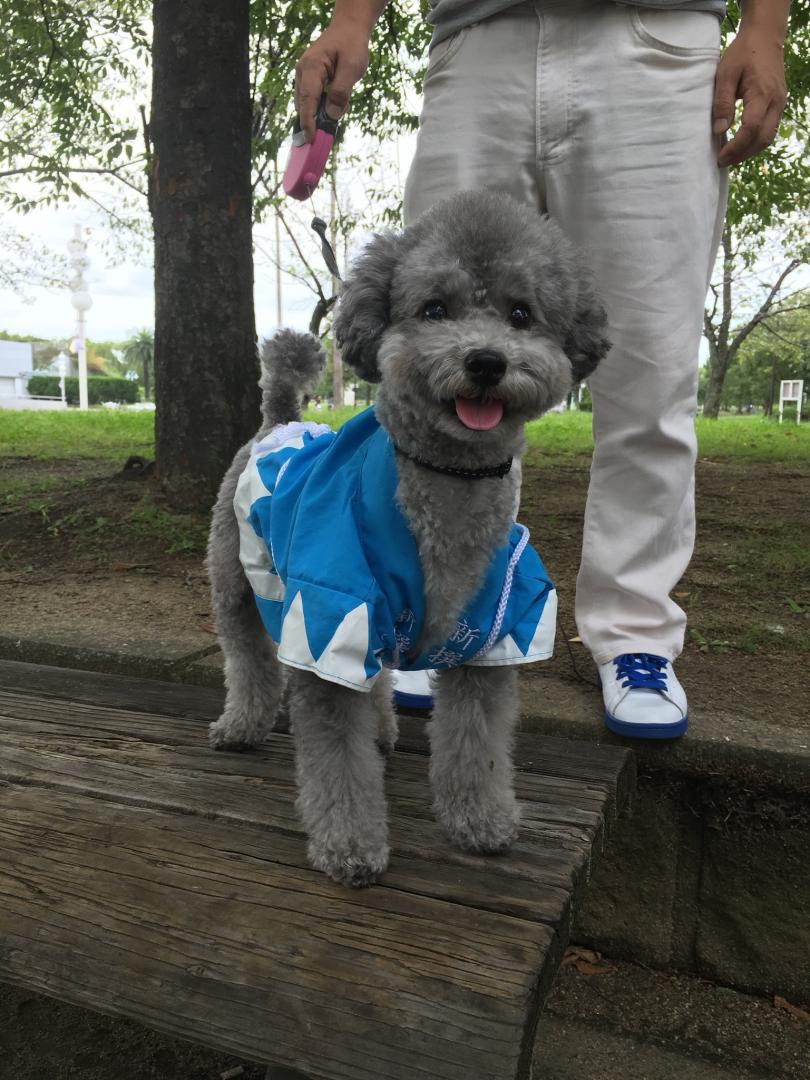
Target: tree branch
(776, 334)
(71, 171)
(764, 308)
(301, 255)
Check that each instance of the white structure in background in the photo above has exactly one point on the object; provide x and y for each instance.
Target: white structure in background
(790, 390)
(16, 362)
(82, 302)
(62, 366)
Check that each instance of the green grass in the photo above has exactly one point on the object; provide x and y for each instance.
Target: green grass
(109, 435)
(99, 434)
(178, 534)
(752, 438)
(731, 438)
(333, 417)
(567, 434)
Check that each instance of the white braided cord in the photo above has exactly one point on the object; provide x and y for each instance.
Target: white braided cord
(506, 591)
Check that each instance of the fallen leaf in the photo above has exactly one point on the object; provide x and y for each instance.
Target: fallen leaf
(577, 639)
(208, 627)
(132, 566)
(680, 595)
(792, 1010)
(587, 962)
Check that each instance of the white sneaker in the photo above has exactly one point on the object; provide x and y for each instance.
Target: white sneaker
(643, 698)
(412, 689)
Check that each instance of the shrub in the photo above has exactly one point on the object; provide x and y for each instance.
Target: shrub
(99, 388)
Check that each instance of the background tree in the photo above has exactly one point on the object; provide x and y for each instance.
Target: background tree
(221, 107)
(769, 196)
(26, 264)
(138, 355)
(779, 350)
(727, 335)
(206, 366)
(67, 69)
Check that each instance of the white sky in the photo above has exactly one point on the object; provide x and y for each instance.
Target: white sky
(121, 285)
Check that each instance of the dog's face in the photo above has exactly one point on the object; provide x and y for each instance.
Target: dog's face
(479, 316)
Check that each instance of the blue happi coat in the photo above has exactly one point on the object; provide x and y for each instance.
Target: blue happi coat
(335, 569)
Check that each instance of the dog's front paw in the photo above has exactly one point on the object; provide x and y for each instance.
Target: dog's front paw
(486, 827)
(235, 730)
(353, 866)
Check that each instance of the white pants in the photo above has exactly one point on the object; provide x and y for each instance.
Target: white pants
(600, 114)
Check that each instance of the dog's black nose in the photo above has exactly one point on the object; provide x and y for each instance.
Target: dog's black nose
(485, 367)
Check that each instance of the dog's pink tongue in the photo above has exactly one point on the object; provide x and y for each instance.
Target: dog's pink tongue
(479, 415)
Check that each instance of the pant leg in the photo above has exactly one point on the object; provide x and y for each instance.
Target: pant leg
(477, 127)
(630, 173)
(577, 106)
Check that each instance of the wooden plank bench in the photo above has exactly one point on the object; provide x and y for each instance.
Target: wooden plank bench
(143, 875)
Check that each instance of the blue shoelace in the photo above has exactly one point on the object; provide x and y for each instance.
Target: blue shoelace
(641, 671)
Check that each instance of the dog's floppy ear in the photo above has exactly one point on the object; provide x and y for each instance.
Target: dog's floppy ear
(586, 343)
(363, 312)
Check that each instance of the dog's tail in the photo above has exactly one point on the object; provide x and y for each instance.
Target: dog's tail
(291, 366)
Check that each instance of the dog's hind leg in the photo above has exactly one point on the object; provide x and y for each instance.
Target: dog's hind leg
(340, 779)
(382, 694)
(253, 676)
(471, 737)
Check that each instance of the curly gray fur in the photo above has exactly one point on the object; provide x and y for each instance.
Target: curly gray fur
(291, 366)
(479, 254)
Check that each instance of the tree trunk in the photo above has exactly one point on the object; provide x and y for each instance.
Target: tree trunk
(206, 363)
(146, 386)
(714, 388)
(771, 387)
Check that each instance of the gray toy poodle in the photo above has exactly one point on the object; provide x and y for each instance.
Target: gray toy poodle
(474, 320)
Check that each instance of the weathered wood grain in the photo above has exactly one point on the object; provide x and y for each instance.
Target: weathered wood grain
(144, 875)
(118, 691)
(609, 765)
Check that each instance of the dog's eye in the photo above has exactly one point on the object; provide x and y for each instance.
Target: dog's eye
(520, 317)
(434, 311)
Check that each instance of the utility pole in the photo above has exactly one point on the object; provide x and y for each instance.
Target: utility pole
(337, 360)
(279, 312)
(82, 302)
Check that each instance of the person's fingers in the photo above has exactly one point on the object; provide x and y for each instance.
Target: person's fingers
(311, 72)
(765, 136)
(337, 95)
(725, 96)
(350, 67)
(748, 139)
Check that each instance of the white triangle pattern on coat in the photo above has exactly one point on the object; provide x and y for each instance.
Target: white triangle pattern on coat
(264, 581)
(344, 658)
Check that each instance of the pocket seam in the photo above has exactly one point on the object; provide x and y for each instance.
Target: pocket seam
(453, 46)
(641, 32)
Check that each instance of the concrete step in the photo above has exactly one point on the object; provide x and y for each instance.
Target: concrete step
(635, 1024)
(709, 872)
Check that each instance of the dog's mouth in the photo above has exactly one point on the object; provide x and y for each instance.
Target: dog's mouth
(477, 414)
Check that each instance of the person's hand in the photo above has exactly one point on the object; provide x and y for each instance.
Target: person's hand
(338, 58)
(751, 69)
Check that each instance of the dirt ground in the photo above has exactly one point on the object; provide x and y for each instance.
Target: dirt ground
(81, 546)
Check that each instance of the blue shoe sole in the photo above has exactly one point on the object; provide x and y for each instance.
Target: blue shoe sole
(646, 731)
(413, 701)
